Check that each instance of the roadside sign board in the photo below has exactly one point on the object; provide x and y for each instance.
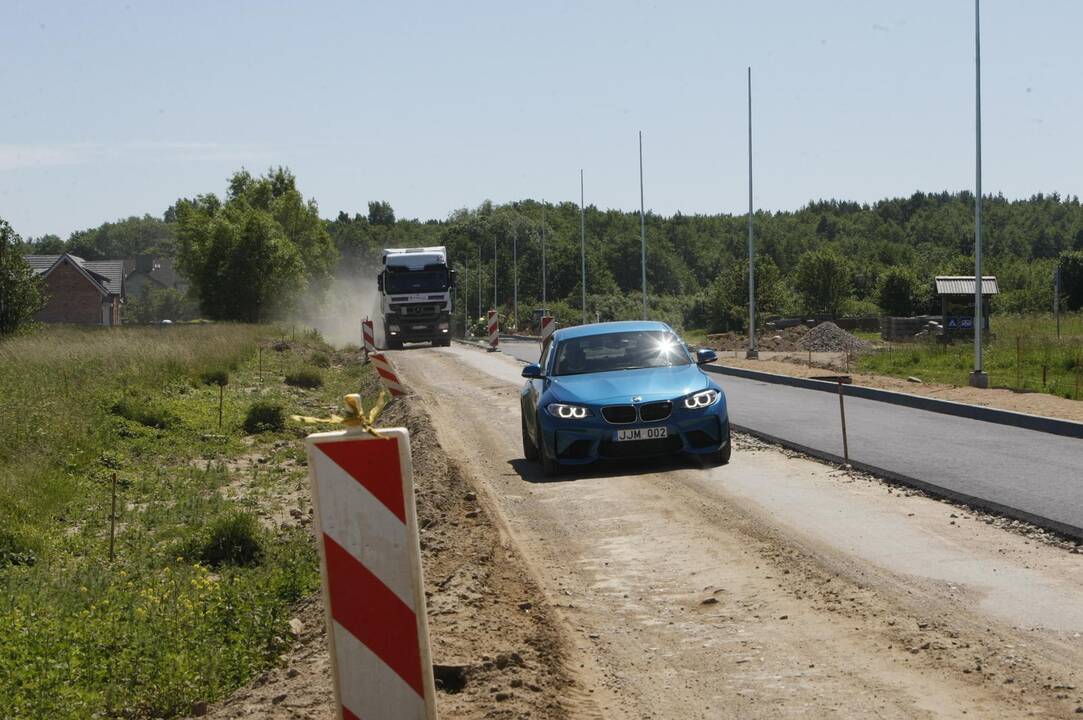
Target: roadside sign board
(370, 560)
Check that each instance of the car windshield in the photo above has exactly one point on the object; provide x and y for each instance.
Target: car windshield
(620, 351)
(417, 281)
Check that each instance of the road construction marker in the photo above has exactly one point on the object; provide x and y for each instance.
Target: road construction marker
(370, 561)
(387, 374)
(494, 330)
(368, 337)
(548, 325)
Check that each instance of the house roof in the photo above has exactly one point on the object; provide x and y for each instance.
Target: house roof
(964, 285)
(107, 275)
(164, 272)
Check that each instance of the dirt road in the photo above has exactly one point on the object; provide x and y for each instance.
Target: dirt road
(773, 587)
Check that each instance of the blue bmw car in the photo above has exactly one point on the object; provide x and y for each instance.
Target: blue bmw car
(620, 390)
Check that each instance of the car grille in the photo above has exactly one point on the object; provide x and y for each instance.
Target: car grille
(655, 411)
(619, 414)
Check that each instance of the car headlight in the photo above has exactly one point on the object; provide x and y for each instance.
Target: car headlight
(567, 412)
(701, 399)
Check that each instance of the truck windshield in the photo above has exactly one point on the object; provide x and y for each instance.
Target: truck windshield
(418, 281)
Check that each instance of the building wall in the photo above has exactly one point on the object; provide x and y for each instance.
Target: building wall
(72, 298)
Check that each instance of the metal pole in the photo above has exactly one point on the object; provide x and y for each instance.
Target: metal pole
(495, 301)
(545, 309)
(1056, 297)
(978, 378)
(515, 274)
(481, 312)
(642, 228)
(752, 353)
(583, 245)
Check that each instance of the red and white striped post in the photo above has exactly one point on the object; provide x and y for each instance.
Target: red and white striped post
(548, 325)
(370, 560)
(388, 377)
(368, 337)
(494, 330)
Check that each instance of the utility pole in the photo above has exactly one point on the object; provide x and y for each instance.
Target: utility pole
(481, 312)
(642, 228)
(515, 274)
(494, 272)
(583, 244)
(545, 308)
(752, 353)
(978, 378)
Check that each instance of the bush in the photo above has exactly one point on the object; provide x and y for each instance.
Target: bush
(305, 378)
(321, 359)
(215, 377)
(16, 550)
(233, 539)
(144, 412)
(264, 416)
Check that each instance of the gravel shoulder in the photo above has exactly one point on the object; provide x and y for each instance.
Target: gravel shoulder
(774, 587)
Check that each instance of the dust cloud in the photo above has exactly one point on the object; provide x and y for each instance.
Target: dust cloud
(353, 296)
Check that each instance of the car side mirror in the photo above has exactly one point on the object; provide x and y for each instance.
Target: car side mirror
(532, 371)
(380, 282)
(705, 355)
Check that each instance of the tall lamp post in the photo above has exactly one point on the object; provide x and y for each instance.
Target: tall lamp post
(978, 378)
(515, 274)
(545, 308)
(642, 229)
(752, 353)
(583, 245)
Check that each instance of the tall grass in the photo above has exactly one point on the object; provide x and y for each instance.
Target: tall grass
(1023, 353)
(169, 621)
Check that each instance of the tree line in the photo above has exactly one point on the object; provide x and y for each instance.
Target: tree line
(261, 250)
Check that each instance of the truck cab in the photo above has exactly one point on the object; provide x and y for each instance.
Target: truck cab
(415, 296)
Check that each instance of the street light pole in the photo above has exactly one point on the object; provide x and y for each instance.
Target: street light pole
(752, 353)
(545, 309)
(642, 229)
(480, 311)
(978, 378)
(583, 245)
(494, 273)
(515, 274)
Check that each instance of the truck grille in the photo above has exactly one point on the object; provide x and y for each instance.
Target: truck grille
(416, 309)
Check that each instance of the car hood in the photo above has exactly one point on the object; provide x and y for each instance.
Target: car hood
(620, 386)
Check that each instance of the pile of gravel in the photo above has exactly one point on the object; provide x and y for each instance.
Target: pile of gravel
(829, 337)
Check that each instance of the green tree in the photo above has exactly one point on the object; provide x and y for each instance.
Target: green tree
(823, 280)
(727, 297)
(381, 213)
(897, 293)
(44, 245)
(1071, 279)
(252, 258)
(124, 238)
(21, 293)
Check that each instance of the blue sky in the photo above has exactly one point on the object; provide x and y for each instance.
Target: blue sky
(117, 108)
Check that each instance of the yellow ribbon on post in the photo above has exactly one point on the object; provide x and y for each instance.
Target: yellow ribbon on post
(356, 415)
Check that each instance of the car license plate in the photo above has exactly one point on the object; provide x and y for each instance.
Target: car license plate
(420, 327)
(650, 433)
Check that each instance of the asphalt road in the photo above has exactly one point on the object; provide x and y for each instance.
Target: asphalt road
(1037, 475)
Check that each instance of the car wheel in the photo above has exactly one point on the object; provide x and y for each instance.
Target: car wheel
(530, 449)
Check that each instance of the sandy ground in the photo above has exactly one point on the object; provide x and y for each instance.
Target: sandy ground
(495, 643)
(775, 587)
(796, 364)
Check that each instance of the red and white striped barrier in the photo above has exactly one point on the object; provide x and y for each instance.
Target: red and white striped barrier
(494, 330)
(388, 377)
(548, 325)
(366, 527)
(368, 337)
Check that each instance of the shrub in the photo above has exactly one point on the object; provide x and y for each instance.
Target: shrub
(264, 416)
(16, 550)
(215, 377)
(233, 539)
(321, 359)
(144, 412)
(305, 378)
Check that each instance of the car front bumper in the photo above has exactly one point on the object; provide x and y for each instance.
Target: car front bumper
(581, 444)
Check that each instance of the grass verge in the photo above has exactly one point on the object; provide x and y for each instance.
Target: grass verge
(207, 561)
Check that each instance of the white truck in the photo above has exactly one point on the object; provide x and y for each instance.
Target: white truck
(415, 296)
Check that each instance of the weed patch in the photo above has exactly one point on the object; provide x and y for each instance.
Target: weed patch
(264, 416)
(308, 378)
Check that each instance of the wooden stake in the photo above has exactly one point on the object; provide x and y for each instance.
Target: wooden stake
(221, 397)
(113, 521)
(261, 365)
(1018, 363)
